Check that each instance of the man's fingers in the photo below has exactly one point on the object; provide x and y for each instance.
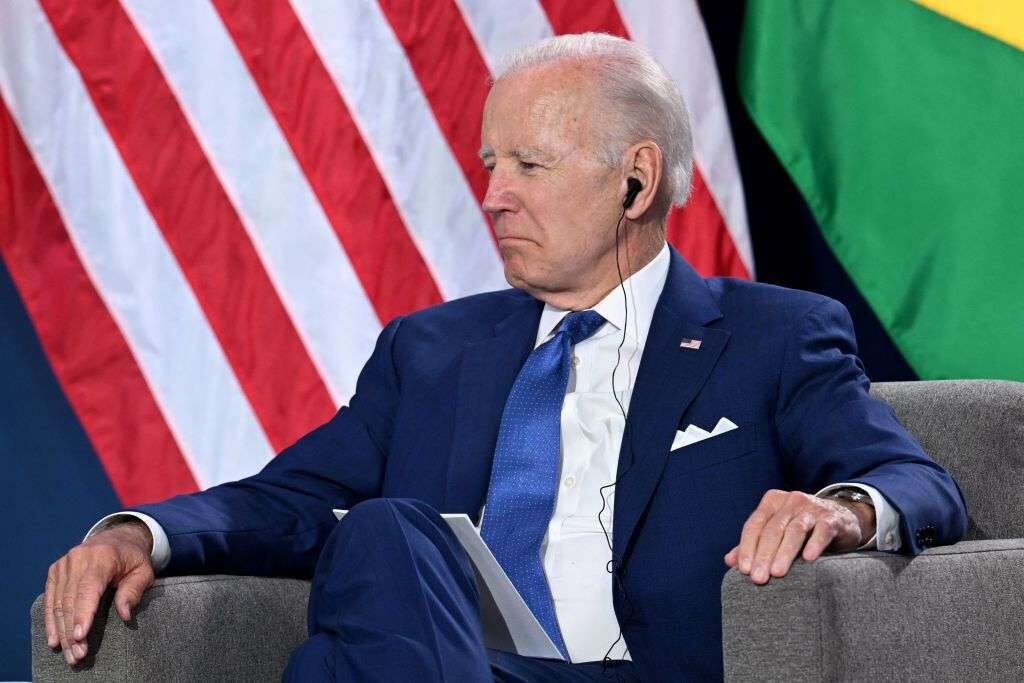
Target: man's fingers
(83, 574)
(87, 600)
(783, 522)
(748, 540)
(770, 503)
(792, 541)
(52, 639)
(68, 603)
(130, 589)
(768, 544)
(125, 601)
(62, 618)
(65, 646)
(820, 539)
(59, 597)
(792, 510)
(67, 640)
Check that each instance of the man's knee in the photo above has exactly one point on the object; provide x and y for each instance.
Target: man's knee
(364, 526)
(376, 520)
(385, 535)
(384, 511)
(398, 525)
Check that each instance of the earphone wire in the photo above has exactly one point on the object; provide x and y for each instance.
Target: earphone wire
(625, 307)
(616, 572)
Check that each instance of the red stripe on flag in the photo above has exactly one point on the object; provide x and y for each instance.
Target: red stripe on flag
(454, 77)
(699, 233)
(568, 16)
(196, 217)
(697, 229)
(328, 147)
(88, 354)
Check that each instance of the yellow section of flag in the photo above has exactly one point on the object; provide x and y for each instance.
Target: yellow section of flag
(1001, 19)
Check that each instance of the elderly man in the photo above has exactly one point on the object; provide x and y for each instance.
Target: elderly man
(627, 430)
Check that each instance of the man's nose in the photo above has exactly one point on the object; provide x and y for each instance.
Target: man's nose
(499, 196)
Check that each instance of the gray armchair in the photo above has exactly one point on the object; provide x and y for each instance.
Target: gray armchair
(952, 613)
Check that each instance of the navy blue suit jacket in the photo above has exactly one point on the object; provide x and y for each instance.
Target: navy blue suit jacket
(423, 423)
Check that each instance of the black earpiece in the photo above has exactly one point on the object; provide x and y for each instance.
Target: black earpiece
(633, 188)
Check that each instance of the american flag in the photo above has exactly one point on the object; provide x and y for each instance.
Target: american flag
(210, 207)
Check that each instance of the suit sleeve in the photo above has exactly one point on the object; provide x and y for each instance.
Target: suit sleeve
(275, 522)
(833, 430)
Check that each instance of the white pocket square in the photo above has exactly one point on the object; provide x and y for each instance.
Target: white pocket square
(692, 434)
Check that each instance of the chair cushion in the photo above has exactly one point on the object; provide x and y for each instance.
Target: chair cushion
(975, 429)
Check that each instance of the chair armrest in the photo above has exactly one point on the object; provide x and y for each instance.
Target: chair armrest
(952, 613)
(188, 628)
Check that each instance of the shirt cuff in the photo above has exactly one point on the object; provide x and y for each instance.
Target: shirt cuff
(160, 555)
(887, 520)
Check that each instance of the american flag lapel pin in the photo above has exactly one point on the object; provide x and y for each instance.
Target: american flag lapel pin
(693, 344)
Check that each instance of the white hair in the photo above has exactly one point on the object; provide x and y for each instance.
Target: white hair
(645, 103)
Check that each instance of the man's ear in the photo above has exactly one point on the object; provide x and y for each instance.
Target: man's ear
(643, 162)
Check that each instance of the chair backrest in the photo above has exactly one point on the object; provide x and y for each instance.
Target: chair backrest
(975, 429)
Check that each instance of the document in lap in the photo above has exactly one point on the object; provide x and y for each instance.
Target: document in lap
(508, 623)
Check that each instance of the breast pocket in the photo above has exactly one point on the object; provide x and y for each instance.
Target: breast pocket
(715, 450)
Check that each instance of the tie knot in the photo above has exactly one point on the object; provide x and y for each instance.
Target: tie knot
(581, 324)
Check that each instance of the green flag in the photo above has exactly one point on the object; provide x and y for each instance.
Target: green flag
(903, 130)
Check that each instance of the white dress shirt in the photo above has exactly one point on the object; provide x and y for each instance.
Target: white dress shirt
(576, 551)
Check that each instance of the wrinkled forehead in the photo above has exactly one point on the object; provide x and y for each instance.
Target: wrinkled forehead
(549, 104)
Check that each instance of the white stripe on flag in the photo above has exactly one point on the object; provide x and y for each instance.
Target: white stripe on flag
(673, 30)
(370, 68)
(288, 227)
(502, 27)
(124, 253)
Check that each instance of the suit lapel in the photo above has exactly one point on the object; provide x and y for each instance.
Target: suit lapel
(488, 369)
(669, 378)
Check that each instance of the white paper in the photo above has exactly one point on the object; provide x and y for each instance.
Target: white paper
(508, 623)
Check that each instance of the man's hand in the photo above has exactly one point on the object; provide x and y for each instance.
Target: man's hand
(118, 556)
(776, 531)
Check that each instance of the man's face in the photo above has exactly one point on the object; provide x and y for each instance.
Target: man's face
(553, 202)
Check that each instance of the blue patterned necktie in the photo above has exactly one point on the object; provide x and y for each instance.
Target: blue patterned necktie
(527, 460)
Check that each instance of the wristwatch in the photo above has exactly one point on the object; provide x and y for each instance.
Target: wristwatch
(852, 495)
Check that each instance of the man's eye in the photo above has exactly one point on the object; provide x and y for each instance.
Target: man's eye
(489, 168)
(527, 166)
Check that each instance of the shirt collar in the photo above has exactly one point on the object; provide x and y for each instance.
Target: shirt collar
(643, 289)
